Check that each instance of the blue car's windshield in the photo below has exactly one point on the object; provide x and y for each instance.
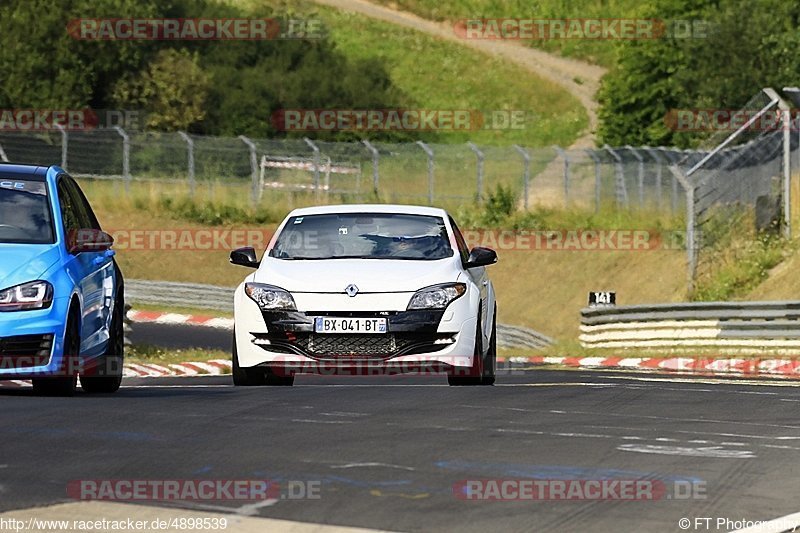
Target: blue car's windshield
(25, 216)
(363, 236)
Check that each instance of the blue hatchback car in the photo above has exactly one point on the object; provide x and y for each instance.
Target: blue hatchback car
(61, 291)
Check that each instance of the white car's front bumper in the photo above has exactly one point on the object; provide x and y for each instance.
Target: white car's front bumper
(426, 342)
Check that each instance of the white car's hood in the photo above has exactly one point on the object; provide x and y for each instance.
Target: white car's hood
(369, 275)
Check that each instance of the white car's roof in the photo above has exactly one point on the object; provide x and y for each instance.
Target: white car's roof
(370, 208)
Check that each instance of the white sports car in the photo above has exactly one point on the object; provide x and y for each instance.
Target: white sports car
(355, 289)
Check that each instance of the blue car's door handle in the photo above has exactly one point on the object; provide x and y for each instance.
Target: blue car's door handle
(108, 254)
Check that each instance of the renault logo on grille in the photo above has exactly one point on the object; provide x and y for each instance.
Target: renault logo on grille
(351, 290)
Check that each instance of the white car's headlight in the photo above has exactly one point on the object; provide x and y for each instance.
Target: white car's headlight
(270, 298)
(33, 295)
(436, 296)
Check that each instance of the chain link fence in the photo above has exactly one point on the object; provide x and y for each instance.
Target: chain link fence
(723, 189)
(409, 172)
(738, 186)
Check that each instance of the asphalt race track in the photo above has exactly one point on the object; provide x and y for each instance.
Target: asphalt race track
(385, 453)
(175, 336)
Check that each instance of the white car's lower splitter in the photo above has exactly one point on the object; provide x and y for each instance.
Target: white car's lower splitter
(413, 344)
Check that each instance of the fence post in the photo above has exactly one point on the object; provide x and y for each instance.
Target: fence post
(786, 115)
(253, 167)
(794, 94)
(126, 157)
(669, 157)
(375, 159)
(563, 154)
(64, 145)
(657, 159)
(479, 177)
(315, 148)
(640, 173)
(526, 173)
(691, 251)
(597, 179)
(621, 188)
(429, 153)
(190, 155)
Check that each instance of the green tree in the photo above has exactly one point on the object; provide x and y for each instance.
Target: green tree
(172, 91)
(750, 44)
(44, 66)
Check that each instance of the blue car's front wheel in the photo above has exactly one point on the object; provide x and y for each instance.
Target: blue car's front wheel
(107, 376)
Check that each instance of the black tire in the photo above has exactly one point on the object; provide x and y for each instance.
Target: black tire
(108, 376)
(490, 362)
(255, 376)
(476, 373)
(63, 385)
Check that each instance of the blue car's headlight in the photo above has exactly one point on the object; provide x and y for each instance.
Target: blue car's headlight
(437, 296)
(270, 298)
(33, 295)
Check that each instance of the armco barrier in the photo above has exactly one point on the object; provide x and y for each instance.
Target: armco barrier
(198, 296)
(745, 325)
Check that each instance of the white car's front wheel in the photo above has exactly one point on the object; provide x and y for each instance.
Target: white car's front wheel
(482, 371)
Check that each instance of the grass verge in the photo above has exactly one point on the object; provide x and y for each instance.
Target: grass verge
(572, 348)
(145, 353)
(539, 288)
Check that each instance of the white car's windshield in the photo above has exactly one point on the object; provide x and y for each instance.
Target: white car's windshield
(363, 236)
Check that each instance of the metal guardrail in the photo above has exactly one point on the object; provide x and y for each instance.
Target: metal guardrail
(173, 294)
(746, 325)
(199, 296)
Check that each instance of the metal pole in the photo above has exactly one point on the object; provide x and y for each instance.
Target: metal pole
(126, 157)
(654, 154)
(479, 177)
(691, 255)
(787, 168)
(429, 153)
(526, 173)
(563, 154)
(620, 186)
(640, 173)
(794, 94)
(253, 167)
(597, 179)
(314, 147)
(774, 99)
(64, 143)
(190, 155)
(375, 159)
(668, 156)
(327, 186)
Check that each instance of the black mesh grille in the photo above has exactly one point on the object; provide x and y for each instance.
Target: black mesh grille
(359, 345)
(355, 345)
(25, 350)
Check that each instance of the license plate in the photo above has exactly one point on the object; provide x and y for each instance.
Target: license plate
(329, 324)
